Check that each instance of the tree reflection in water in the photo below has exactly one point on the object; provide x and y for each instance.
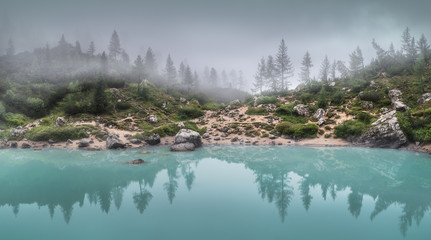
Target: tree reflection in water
(365, 172)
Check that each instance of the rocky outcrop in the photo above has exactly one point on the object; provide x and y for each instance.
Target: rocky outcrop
(25, 145)
(181, 125)
(302, 110)
(113, 141)
(367, 105)
(60, 122)
(153, 139)
(135, 141)
(84, 143)
(184, 138)
(153, 119)
(320, 116)
(425, 98)
(385, 133)
(396, 98)
(18, 132)
(137, 161)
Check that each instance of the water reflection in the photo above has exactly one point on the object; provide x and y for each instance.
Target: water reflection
(63, 184)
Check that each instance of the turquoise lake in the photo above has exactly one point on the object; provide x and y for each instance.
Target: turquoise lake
(227, 192)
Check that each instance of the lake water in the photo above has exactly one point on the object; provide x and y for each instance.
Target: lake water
(225, 192)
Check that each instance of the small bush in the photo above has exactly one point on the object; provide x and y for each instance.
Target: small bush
(167, 130)
(123, 105)
(15, 119)
(364, 117)
(189, 112)
(322, 103)
(267, 100)
(43, 133)
(350, 129)
(328, 135)
(265, 135)
(285, 110)
(297, 130)
(256, 111)
(371, 96)
(337, 99)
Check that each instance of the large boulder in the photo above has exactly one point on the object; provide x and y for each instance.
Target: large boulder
(60, 122)
(302, 110)
(385, 132)
(113, 141)
(397, 104)
(84, 143)
(18, 132)
(153, 139)
(395, 95)
(153, 119)
(320, 116)
(425, 98)
(186, 136)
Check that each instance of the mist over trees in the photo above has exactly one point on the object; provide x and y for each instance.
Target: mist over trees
(272, 74)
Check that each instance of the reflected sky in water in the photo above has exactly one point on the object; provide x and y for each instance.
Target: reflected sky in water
(216, 193)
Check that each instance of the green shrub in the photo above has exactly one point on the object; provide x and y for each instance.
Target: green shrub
(306, 97)
(189, 112)
(328, 135)
(194, 127)
(267, 100)
(44, 133)
(286, 109)
(371, 96)
(123, 105)
(337, 99)
(15, 119)
(350, 129)
(297, 130)
(322, 103)
(167, 130)
(256, 111)
(364, 117)
(265, 135)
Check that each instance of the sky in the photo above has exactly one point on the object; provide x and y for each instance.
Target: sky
(225, 34)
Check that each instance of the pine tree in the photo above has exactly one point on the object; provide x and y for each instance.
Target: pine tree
(150, 63)
(406, 40)
(259, 77)
(333, 70)
(305, 69)
(412, 53)
(100, 101)
(195, 79)
(233, 79)
(324, 70)
(241, 81)
(424, 48)
(104, 63)
(213, 77)
(356, 63)
(78, 47)
(283, 65)
(271, 74)
(91, 49)
(224, 78)
(10, 51)
(138, 68)
(125, 57)
(171, 72)
(114, 47)
(181, 71)
(188, 79)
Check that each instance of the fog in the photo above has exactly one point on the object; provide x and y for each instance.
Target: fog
(220, 34)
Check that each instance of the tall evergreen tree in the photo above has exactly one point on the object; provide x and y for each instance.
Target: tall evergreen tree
(283, 65)
(333, 70)
(138, 68)
(306, 68)
(181, 71)
(171, 72)
(10, 51)
(259, 77)
(271, 74)
(357, 63)
(104, 63)
(91, 49)
(324, 70)
(78, 47)
(195, 79)
(406, 40)
(125, 57)
(188, 79)
(100, 101)
(424, 48)
(150, 63)
(224, 78)
(241, 80)
(213, 77)
(114, 47)
(233, 79)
